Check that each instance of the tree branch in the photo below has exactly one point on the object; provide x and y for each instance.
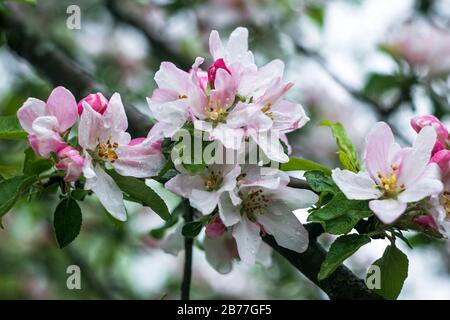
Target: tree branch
(159, 47)
(188, 244)
(341, 284)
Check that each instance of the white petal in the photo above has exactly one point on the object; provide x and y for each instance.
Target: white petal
(357, 186)
(90, 128)
(204, 201)
(115, 116)
(183, 184)
(229, 213)
(270, 145)
(415, 162)
(378, 149)
(286, 229)
(248, 240)
(387, 210)
(420, 190)
(295, 198)
(174, 242)
(109, 194)
(220, 252)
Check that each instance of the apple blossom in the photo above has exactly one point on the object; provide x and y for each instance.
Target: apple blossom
(265, 206)
(105, 141)
(47, 123)
(394, 176)
(97, 101)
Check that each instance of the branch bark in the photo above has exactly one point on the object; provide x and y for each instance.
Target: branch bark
(61, 70)
(188, 244)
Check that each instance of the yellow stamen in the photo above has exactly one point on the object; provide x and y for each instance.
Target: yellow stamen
(107, 151)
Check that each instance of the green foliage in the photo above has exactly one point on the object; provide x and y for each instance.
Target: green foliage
(34, 165)
(340, 215)
(393, 271)
(347, 151)
(10, 128)
(378, 84)
(320, 182)
(192, 229)
(11, 190)
(67, 221)
(141, 193)
(304, 164)
(317, 13)
(342, 248)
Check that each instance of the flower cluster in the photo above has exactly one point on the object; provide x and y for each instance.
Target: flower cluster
(102, 143)
(232, 103)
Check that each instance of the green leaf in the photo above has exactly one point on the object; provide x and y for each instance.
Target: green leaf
(9, 193)
(192, 229)
(340, 215)
(67, 221)
(393, 271)
(10, 128)
(137, 189)
(378, 84)
(347, 151)
(320, 182)
(303, 164)
(316, 13)
(34, 165)
(342, 248)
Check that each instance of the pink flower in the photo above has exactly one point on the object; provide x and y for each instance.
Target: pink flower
(215, 228)
(418, 123)
(97, 101)
(105, 141)
(47, 122)
(423, 46)
(71, 162)
(218, 64)
(177, 91)
(394, 176)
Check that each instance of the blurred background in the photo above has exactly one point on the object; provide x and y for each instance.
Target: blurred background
(353, 61)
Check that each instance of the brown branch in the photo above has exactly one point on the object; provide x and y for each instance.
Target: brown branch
(160, 48)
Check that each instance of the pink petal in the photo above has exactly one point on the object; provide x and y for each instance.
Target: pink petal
(357, 186)
(62, 104)
(29, 111)
(378, 150)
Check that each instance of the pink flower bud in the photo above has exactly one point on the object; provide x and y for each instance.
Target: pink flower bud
(97, 101)
(71, 162)
(429, 120)
(215, 229)
(218, 64)
(441, 158)
(427, 222)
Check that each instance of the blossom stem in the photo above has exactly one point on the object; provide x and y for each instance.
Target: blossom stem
(188, 244)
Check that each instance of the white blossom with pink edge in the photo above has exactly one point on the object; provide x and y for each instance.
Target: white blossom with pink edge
(394, 176)
(105, 141)
(47, 122)
(266, 206)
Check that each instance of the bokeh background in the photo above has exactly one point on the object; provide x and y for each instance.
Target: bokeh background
(353, 61)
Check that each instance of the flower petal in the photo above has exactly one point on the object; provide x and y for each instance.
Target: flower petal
(62, 104)
(108, 193)
(229, 213)
(427, 185)
(220, 252)
(378, 149)
(90, 128)
(387, 210)
(29, 111)
(415, 162)
(287, 230)
(357, 186)
(248, 240)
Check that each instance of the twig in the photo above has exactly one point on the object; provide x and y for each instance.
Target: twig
(188, 244)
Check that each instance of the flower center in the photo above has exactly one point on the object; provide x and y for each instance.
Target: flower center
(267, 110)
(444, 200)
(253, 204)
(107, 151)
(389, 183)
(213, 181)
(215, 112)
